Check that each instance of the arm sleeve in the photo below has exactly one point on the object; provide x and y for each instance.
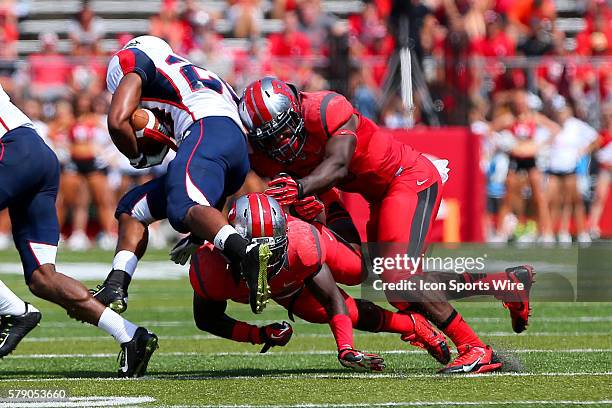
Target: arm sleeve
(126, 61)
(306, 251)
(210, 317)
(336, 110)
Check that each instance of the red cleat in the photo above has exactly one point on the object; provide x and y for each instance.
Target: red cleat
(519, 306)
(428, 338)
(473, 359)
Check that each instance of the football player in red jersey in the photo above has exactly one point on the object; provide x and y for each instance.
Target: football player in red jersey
(301, 281)
(321, 141)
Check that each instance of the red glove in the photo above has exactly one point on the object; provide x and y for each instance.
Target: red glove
(275, 334)
(308, 208)
(284, 189)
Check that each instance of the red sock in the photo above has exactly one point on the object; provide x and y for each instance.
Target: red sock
(397, 323)
(461, 333)
(342, 328)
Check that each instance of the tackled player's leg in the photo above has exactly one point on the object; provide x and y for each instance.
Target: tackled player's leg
(136, 210)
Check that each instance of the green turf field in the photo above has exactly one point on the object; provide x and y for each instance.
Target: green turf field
(564, 359)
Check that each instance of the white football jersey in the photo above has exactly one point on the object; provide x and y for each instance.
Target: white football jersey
(179, 92)
(10, 115)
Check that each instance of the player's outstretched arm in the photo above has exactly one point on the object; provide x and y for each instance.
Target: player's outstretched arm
(210, 317)
(125, 101)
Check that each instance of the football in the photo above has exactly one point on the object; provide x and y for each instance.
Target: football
(147, 144)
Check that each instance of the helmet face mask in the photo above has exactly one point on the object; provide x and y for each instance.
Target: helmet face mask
(281, 139)
(278, 247)
(260, 219)
(281, 135)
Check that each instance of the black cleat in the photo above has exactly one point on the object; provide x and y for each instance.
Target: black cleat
(254, 270)
(113, 292)
(15, 328)
(135, 354)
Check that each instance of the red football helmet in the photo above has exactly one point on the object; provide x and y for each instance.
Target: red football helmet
(259, 218)
(270, 110)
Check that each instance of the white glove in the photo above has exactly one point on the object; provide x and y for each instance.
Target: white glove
(182, 251)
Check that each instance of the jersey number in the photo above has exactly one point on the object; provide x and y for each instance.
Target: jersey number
(197, 81)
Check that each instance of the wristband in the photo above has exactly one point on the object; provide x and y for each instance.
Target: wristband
(246, 333)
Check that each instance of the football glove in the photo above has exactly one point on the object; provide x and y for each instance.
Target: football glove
(162, 136)
(275, 334)
(359, 361)
(307, 208)
(144, 161)
(284, 189)
(182, 251)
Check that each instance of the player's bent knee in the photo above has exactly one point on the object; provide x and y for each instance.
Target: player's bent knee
(42, 279)
(177, 216)
(139, 210)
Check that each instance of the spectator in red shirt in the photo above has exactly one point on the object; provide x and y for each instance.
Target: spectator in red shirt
(8, 34)
(290, 42)
(522, 13)
(49, 70)
(595, 40)
(168, 26)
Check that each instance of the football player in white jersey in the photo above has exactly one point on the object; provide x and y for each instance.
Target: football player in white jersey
(29, 180)
(211, 162)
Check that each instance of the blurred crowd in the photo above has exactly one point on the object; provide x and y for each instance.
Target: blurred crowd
(543, 117)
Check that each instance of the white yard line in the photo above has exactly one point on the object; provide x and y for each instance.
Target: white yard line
(78, 402)
(311, 335)
(189, 322)
(414, 404)
(308, 376)
(286, 353)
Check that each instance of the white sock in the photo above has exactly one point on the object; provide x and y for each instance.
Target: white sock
(10, 304)
(222, 235)
(122, 330)
(125, 261)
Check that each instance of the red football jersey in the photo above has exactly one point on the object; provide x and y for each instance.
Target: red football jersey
(212, 278)
(377, 159)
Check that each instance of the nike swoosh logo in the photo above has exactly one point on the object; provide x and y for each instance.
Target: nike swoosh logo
(280, 335)
(125, 359)
(421, 182)
(468, 368)
(286, 285)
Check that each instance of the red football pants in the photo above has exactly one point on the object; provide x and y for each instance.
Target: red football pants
(402, 220)
(343, 260)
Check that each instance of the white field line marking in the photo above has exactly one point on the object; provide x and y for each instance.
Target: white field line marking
(284, 353)
(179, 323)
(414, 404)
(78, 402)
(313, 335)
(308, 376)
